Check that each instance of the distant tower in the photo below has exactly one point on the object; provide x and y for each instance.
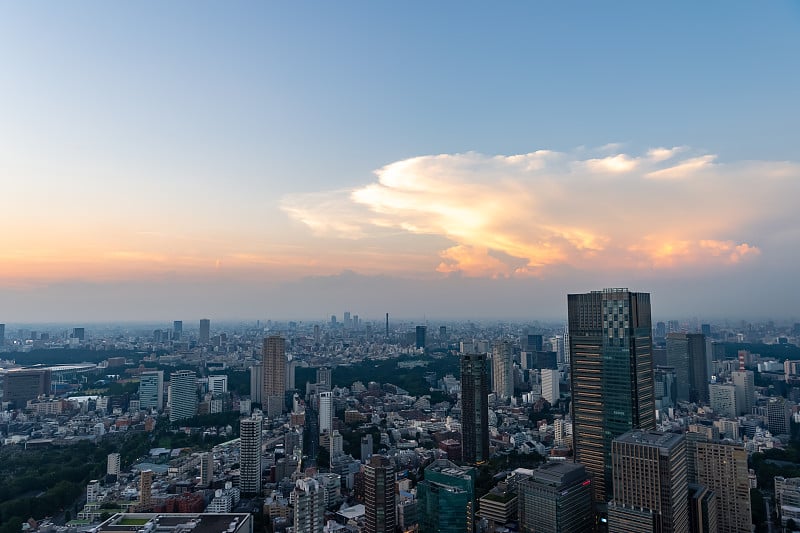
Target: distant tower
(79, 333)
(206, 469)
(551, 390)
(325, 413)
(3, 335)
(257, 383)
(503, 370)
(650, 487)
(250, 455)
(205, 331)
(177, 330)
(183, 395)
(379, 495)
(274, 361)
(421, 334)
(686, 353)
(151, 390)
(474, 408)
(611, 359)
(387, 325)
(745, 391)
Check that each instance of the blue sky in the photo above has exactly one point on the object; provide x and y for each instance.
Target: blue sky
(184, 138)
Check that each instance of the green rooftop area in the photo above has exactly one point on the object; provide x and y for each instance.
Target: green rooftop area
(132, 521)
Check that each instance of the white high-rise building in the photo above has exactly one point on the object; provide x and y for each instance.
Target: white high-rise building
(503, 369)
(151, 390)
(113, 466)
(250, 455)
(325, 412)
(218, 383)
(550, 385)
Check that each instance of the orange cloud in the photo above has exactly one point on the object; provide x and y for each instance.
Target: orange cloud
(529, 213)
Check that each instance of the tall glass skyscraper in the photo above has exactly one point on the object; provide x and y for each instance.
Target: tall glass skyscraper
(474, 408)
(611, 350)
(447, 498)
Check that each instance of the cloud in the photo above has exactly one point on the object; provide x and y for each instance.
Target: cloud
(530, 214)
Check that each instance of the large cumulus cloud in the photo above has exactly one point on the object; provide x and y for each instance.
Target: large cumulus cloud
(526, 214)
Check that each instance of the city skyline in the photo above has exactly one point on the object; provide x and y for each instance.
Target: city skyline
(425, 160)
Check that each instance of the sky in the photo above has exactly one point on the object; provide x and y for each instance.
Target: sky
(438, 159)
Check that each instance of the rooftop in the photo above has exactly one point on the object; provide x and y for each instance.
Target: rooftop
(176, 522)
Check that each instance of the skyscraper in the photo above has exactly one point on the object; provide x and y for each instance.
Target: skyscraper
(274, 361)
(182, 395)
(503, 369)
(325, 413)
(612, 376)
(151, 390)
(474, 408)
(723, 468)
(177, 330)
(379, 495)
(204, 336)
(250, 455)
(686, 353)
(257, 383)
(2, 335)
(145, 489)
(745, 391)
(551, 390)
(421, 334)
(649, 469)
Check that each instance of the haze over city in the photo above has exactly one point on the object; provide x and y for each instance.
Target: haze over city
(449, 160)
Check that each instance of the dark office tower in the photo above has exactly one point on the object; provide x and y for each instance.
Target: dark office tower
(661, 330)
(705, 329)
(256, 382)
(650, 489)
(442, 333)
(379, 495)
(612, 376)
(19, 386)
(556, 498)
(2, 335)
(387, 324)
(79, 333)
(421, 334)
(205, 331)
(274, 362)
(535, 343)
(686, 353)
(474, 408)
(177, 330)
